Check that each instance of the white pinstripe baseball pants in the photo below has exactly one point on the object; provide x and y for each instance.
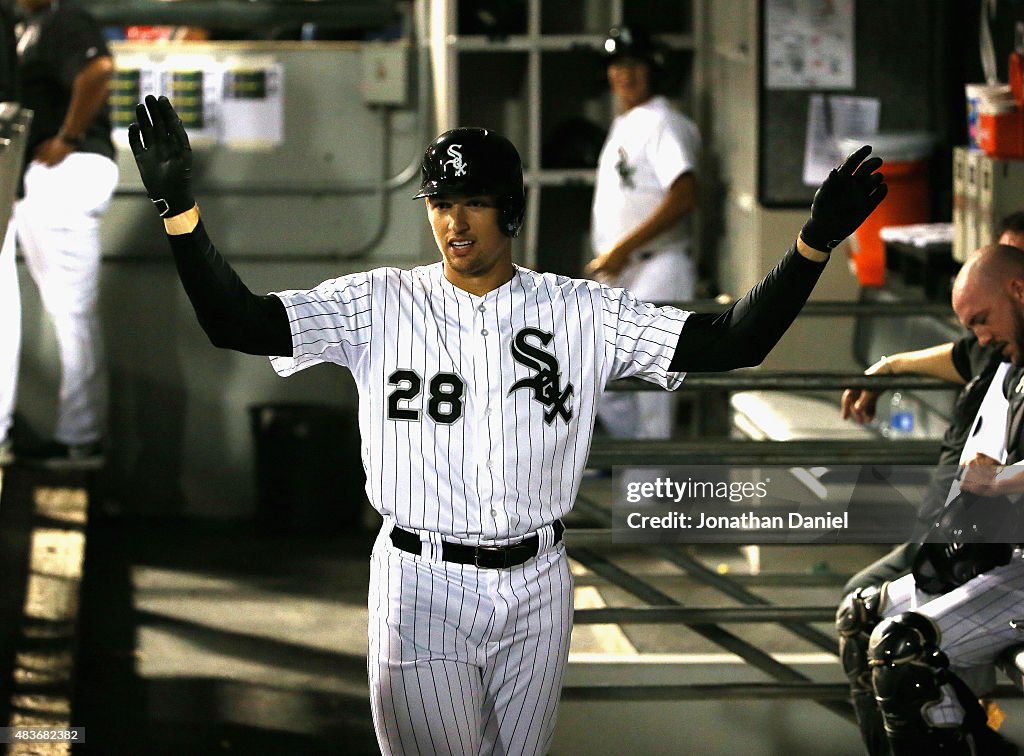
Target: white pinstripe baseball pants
(466, 661)
(974, 622)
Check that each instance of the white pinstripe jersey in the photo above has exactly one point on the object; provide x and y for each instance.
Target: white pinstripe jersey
(477, 412)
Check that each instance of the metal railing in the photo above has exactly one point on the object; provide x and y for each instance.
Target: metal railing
(786, 380)
(607, 452)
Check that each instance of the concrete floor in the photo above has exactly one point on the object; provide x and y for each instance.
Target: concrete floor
(206, 638)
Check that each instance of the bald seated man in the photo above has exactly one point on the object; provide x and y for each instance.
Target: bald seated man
(964, 362)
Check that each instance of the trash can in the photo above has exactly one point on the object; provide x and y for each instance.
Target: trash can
(906, 156)
(309, 475)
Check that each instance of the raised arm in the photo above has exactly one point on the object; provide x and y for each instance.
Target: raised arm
(743, 335)
(232, 316)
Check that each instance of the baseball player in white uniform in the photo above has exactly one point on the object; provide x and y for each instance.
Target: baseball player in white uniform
(644, 196)
(478, 382)
(922, 649)
(65, 68)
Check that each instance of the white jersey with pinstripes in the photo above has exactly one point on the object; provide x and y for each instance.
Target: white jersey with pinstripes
(477, 412)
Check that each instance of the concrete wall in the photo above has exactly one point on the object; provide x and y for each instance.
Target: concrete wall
(752, 238)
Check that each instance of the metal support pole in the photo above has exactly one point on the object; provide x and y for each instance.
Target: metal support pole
(787, 380)
(797, 453)
(838, 308)
(686, 615)
(828, 695)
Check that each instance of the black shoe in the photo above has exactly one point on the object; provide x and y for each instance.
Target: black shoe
(54, 455)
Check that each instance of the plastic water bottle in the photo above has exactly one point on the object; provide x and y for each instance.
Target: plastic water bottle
(902, 417)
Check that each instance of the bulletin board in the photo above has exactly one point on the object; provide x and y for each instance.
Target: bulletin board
(894, 55)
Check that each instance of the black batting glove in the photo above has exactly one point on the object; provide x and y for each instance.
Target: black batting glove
(163, 155)
(844, 200)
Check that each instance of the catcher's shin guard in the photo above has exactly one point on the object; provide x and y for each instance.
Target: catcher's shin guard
(908, 671)
(855, 619)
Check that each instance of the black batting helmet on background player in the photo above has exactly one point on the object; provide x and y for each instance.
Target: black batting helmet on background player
(635, 42)
(472, 160)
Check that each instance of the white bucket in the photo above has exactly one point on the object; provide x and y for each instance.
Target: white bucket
(988, 98)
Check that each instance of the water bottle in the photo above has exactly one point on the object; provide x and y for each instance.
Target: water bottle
(902, 417)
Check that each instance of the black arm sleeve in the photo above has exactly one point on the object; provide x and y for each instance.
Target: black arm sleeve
(232, 316)
(743, 335)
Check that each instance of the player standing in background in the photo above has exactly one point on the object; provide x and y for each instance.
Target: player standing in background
(478, 382)
(644, 196)
(65, 70)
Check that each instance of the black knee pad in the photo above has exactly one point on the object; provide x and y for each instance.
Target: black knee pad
(855, 619)
(908, 671)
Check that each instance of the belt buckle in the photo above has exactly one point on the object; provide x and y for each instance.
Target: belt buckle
(489, 550)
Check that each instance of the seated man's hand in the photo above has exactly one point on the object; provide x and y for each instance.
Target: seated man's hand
(979, 476)
(859, 405)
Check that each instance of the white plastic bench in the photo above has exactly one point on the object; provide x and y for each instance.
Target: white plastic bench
(778, 416)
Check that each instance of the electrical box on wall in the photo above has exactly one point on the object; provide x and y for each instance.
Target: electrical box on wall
(385, 75)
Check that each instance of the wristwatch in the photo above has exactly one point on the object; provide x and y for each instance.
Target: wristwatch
(68, 139)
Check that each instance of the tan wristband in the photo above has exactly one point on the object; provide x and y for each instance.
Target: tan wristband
(182, 223)
(812, 254)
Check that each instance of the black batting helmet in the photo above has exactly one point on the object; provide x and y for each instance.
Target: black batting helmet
(472, 160)
(632, 42)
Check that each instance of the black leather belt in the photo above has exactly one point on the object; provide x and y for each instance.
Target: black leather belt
(487, 557)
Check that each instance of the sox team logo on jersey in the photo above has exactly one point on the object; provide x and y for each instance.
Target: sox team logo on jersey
(457, 161)
(546, 384)
(625, 170)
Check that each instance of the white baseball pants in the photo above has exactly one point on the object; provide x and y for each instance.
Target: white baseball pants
(974, 622)
(463, 660)
(58, 224)
(667, 276)
(10, 331)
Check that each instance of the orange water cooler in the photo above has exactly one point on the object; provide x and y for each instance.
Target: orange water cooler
(906, 156)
